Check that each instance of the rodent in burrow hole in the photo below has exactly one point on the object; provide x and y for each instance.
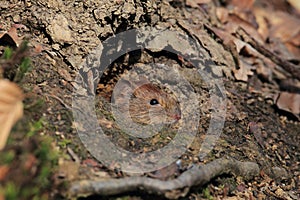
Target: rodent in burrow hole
(149, 104)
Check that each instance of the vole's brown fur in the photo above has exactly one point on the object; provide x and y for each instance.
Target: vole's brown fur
(166, 110)
(141, 96)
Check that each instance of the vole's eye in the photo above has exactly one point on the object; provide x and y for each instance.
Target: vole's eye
(153, 102)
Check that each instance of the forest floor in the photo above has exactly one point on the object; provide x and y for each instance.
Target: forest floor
(255, 46)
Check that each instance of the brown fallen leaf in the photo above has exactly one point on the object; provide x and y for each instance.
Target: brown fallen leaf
(281, 22)
(11, 108)
(274, 25)
(229, 39)
(295, 4)
(11, 37)
(222, 14)
(243, 72)
(261, 20)
(3, 171)
(194, 3)
(243, 10)
(243, 4)
(293, 45)
(235, 21)
(289, 102)
(264, 68)
(245, 69)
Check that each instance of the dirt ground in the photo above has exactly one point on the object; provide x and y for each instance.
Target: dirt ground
(44, 151)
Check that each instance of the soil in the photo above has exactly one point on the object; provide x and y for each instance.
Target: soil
(255, 130)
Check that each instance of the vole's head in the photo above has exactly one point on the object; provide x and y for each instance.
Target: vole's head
(151, 105)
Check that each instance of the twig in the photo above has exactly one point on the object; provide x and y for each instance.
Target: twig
(196, 176)
(73, 155)
(286, 65)
(61, 101)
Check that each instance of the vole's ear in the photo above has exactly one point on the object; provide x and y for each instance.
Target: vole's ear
(141, 80)
(123, 84)
(122, 90)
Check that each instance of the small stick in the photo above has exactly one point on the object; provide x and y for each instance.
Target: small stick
(73, 155)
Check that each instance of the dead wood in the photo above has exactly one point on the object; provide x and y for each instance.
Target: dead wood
(195, 176)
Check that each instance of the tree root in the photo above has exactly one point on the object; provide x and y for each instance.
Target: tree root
(172, 189)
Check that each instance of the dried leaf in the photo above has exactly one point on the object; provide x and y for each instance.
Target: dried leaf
(11, 37)
(229, 39)
(289, 102)
(293, 45)
(264, 68)
(235, 22)
(243, 10)
(263, 26)
(243, 4)
(11, 108)
(279, 27)
(295, 4)
(3, 172)
(281, 22)
(295, 40)
(222, 14)
(195, 3)
(278, 22)
(244, 71)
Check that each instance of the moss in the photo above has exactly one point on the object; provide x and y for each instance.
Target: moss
(11, 191)
(7, 157)
(206, 194)
(31, 160)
